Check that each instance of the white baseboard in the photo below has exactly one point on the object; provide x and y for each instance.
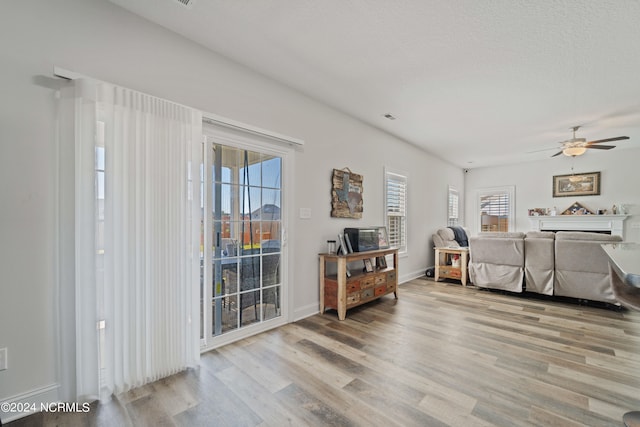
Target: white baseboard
(30, 401)
(410, 276)
(306, 311)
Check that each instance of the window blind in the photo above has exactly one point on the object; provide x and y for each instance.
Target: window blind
(495, 204)
(495, 210)
(452, 210)
(396, 203)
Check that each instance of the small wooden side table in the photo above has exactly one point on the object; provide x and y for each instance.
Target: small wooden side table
(445, 267)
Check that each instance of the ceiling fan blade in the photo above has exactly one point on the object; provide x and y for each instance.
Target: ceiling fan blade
(557, 154)
(617, 138)
(543, 149)
(600, 147)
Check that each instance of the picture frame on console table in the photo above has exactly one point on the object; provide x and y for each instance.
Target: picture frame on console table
(381, 262)
(383, 237)
(348, 243)
(580, 184)
(343, 249)
(368, 266)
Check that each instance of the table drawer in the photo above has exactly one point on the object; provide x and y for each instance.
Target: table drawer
(367, 293)
(353, 286)
(379, 290)
(353, 298)
(367, 282)
(453, 273)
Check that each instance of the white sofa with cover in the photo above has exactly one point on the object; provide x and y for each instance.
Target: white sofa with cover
(568, 264)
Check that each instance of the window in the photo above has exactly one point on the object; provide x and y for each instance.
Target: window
(452, 207)
(495, 207)
(396, 209)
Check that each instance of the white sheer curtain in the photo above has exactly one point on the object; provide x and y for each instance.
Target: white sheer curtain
(137, 238)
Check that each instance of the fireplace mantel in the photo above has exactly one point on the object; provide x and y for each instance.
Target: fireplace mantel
(611, 223)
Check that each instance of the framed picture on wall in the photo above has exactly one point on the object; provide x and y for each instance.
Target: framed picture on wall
(581, 184)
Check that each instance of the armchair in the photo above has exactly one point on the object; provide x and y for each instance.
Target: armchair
(446, 238)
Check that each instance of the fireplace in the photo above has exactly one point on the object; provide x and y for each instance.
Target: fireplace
(610, 224)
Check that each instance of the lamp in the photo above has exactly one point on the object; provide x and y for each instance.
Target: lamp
(574, 151)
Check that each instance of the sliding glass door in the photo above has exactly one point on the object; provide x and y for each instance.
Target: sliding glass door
(242, 253)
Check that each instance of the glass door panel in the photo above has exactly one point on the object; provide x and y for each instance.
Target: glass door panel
(246, 228)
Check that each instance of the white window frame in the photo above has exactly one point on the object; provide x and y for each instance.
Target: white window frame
(453, 206)
(241, 136)
(404, 177)
(510, 190)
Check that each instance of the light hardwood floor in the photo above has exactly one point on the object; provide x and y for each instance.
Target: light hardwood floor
(440, 355)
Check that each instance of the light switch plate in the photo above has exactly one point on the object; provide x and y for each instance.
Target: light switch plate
(305, 213)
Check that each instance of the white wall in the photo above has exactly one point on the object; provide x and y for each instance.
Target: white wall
(533, 183)
(96, 38)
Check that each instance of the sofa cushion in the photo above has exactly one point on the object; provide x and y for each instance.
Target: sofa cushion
(582, 267)
(539, 253)
(497, 261)
(506, 251)
(581, 251)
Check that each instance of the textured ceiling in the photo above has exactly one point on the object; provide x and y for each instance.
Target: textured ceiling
(475, 82)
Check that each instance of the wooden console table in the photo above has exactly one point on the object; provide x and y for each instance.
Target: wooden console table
(340, 292)
(445, 267)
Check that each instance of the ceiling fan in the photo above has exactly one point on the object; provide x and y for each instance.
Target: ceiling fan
(577, 146)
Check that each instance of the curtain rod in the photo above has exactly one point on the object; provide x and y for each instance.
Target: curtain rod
(231, 124)
(206, 117)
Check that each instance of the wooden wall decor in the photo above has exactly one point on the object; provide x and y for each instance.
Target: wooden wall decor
(346, 194)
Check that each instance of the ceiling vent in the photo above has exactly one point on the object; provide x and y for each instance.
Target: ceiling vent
(186, 3)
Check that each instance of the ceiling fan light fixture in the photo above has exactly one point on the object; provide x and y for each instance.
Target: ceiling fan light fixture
(578, 146)
(574, 151)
